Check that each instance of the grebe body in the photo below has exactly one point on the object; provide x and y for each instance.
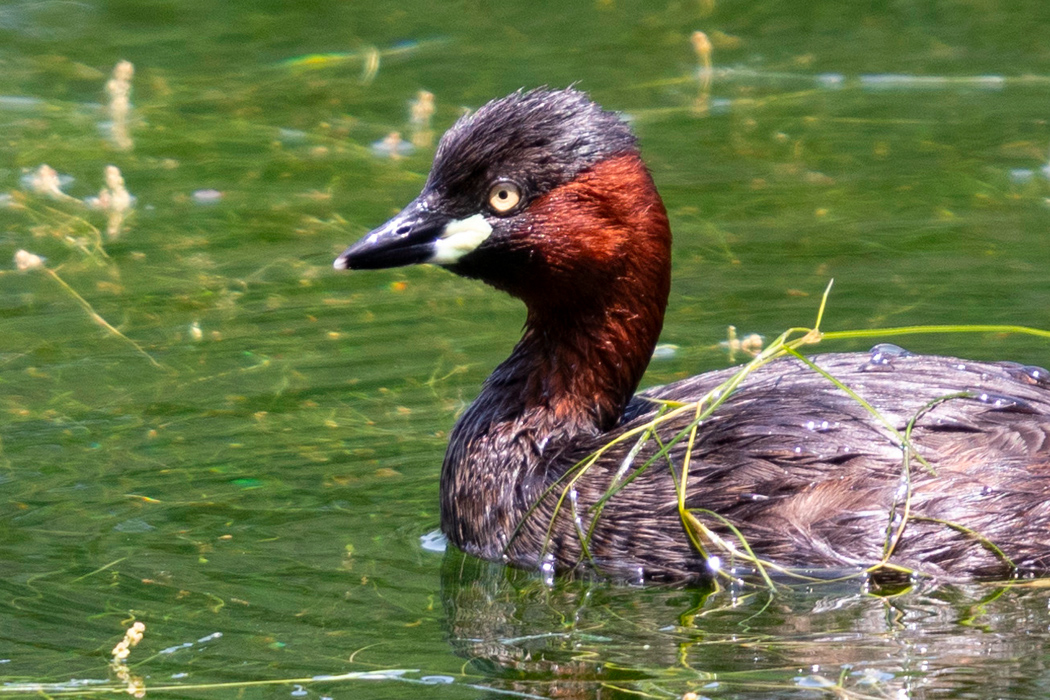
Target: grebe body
(544, 195)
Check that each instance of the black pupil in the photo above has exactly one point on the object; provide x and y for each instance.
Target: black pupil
(503, 194)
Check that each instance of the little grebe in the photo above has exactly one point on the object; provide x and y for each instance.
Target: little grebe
(544, 195)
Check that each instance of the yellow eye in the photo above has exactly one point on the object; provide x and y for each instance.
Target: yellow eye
(504, 196)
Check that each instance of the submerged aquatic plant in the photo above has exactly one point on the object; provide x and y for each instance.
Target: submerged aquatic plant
(26, 261)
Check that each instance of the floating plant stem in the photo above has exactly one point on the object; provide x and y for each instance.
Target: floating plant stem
(618, 480)
(681, 483)
(760, 565)
(94, 316)
(969, 532)
(894, 535)
(65, 227)
(366, 55)
(852, 394)
(917, 330)
(67, 689)
(748, 555)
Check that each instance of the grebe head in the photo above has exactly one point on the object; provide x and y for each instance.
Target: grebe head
(542, 194)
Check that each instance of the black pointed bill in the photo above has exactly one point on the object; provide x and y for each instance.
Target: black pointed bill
(417, 235)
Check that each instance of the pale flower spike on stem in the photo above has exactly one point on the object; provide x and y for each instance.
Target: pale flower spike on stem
(24, 260)
(118, 89)
(132, 637)
(750, 344)
(392, 146)
(702, 46)
(114, 199)
(421, 110)
(46, 181)
(134, 685)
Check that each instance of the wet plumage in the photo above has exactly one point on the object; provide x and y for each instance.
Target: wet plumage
(544, 195)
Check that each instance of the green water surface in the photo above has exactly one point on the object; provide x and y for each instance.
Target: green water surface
(247, 458)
